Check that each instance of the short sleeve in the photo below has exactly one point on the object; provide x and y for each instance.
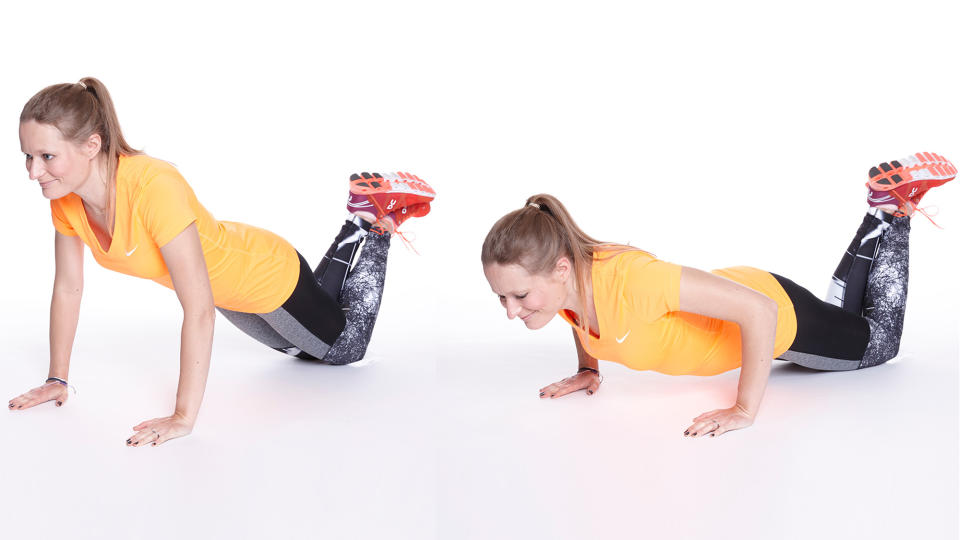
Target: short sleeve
(652, 288)
(60, 219)
(165, 207)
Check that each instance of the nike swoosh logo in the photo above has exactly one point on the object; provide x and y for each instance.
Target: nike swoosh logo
(129, 253)
(620, 340)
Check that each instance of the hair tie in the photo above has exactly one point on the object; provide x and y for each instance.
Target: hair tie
(82, 85)
(535, 205)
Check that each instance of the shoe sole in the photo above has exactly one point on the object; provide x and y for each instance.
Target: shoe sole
(931, 169)
(401, 183)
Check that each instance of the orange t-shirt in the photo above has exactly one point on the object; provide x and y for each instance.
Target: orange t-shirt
(637, 300)
(251, 270)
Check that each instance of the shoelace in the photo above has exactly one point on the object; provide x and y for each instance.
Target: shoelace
(910, 204)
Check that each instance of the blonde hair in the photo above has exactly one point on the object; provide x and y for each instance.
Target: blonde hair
(537, 236)
(78, 111)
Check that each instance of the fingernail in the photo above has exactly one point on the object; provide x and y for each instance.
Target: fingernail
(19, 406)
(694, 433)
(685, 433)
(154, 444)
(134, 444)
(712, 434)
(541, 395)
(128, 441)
(59, 403)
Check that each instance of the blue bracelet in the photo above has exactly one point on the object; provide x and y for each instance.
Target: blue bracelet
(58, 380)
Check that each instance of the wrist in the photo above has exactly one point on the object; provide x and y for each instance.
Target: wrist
(184, 417)
(582, 369)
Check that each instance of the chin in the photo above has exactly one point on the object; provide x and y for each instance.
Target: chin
(537, 322)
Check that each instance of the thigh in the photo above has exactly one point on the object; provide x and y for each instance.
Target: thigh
(828, 337)
(309, 319)
(254, 326)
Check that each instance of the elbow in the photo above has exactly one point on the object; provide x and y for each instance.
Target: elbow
(205, 315)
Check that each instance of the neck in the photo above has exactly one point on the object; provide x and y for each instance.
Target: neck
(576, 299)
(95, 190)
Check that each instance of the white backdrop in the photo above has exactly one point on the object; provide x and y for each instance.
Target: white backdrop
(710, 133)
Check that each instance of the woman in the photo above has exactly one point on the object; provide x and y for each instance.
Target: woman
(138, 216)
(626, 306)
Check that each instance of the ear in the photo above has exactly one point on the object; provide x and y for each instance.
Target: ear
(92, 145)
(563, 269)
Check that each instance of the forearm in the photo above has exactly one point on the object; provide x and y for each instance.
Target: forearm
(64, 316)
(758, 337)
(196, 343)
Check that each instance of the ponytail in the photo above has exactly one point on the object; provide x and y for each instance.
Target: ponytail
(78, 111)
(538, 235)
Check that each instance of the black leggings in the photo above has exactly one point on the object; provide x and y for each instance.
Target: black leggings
(861, 324)
(330, 315)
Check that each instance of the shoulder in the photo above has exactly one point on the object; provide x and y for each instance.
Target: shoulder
(143, 174)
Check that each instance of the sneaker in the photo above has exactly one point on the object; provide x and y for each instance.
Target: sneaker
(392, 221)
(361, 207)
(903, 183)
(391, 192)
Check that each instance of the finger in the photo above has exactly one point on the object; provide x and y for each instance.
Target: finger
(707, 415)
(147, 423)
(143, 437)
(699, 429)
(551, 389)
(568, 388)
(164, 437)
(594, 386)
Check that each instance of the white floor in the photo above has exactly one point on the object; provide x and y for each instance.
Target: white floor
(449, 440)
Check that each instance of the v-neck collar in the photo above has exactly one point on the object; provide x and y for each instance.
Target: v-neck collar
(116, 215)
(569, 315)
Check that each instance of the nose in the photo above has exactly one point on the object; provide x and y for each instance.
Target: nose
(513, 308)
(35, 168)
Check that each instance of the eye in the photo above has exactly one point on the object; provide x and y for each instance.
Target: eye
(521, 296)
(503, 299)
(46, 157)
(28, 156)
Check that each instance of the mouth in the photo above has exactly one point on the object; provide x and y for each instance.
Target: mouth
(43, 185)
(526, 317)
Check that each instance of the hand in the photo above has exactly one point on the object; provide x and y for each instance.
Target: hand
(41, 394)
(718, 422)
(160, 430)
(585, 380)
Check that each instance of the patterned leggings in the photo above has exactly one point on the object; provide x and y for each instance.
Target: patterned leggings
(861, 322)
(330, 315)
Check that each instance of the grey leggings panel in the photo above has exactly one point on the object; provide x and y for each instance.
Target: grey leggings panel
(361, 296)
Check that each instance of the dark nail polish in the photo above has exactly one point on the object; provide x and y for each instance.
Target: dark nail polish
(685, 433)
(541, 395)
(59, 403)
(134, 444)
(589, 392)
(694, 433)
(712, 434)
(128, 441)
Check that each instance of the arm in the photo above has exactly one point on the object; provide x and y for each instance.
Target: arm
(713, 296)
(64, 316)
(587, 376)
(188, 270)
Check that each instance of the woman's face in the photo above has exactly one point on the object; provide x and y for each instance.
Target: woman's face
(58, 165)
(534, 298)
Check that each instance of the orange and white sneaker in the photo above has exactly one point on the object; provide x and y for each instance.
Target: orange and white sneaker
(903, 183)
(392, 191)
